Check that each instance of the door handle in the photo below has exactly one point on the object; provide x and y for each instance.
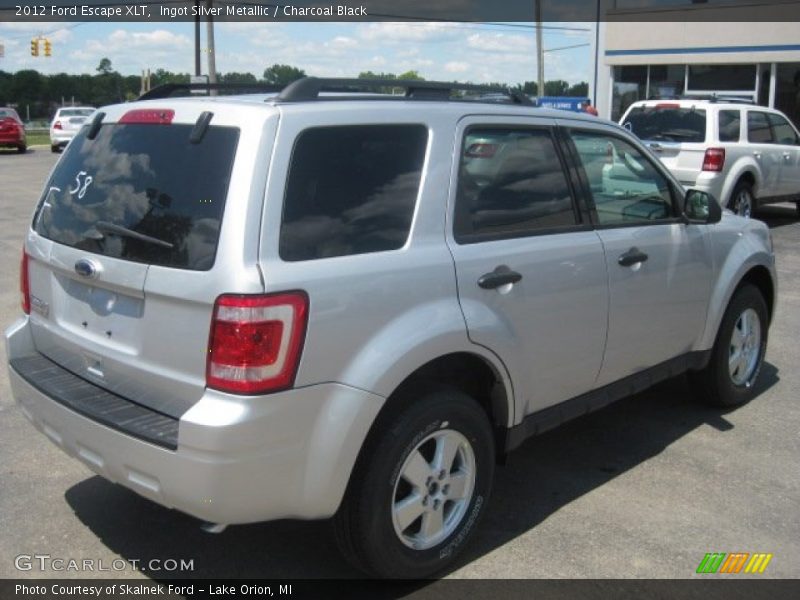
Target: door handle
(787, 156)
(757, 155)
(501, 276)
(631, 257)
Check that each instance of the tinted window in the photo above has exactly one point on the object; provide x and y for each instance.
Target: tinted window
(351, 190)
(758, 131)
(722, 77)
(729, 123)
(147, 178)
(782, 131)
(625, 185)
(667, 122)
(511, 183)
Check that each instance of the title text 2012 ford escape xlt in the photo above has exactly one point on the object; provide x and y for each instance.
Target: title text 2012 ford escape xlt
(309, 304)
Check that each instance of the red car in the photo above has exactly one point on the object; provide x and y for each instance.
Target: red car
(12, 131)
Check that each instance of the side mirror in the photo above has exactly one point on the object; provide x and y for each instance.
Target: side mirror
(700, 207)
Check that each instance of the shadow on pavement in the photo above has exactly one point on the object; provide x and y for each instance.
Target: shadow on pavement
(778, 215)
(546, 473)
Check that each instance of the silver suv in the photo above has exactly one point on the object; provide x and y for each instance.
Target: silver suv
(744, 155)
(308, 305)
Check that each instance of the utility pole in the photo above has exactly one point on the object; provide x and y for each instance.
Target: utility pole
(539, 51)
(212, 61)
(197, 68)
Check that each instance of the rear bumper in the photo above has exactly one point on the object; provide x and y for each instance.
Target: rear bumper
(237, 460)
(711, 183)
(60, 139)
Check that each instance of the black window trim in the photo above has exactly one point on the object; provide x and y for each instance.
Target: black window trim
(587, 189)
(581, 222)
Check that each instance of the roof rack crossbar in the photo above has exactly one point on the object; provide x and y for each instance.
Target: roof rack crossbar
(309, 88)
(168, 89)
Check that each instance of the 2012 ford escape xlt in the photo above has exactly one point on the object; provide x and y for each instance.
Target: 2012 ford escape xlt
(305, 305)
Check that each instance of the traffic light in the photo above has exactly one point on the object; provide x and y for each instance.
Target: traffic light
(35, 47)
(48, 48)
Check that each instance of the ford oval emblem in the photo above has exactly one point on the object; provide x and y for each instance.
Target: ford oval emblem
(86, 268)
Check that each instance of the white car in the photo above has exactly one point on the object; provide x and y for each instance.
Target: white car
(66, 123)
(742, 154)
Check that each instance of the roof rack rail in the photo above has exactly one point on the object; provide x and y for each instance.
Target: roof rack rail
(716, 98)
(309, 88)
(168, 89)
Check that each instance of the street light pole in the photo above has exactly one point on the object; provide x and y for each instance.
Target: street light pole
(539, 51)
(197, 68)
(212, 61)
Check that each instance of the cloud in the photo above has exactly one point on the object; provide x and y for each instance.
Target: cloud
(455, 66)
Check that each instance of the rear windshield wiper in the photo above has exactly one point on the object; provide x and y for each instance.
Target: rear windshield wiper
(107, 227)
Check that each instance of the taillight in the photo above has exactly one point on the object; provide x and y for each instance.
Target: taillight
(714, 159)
(480, 150)
(150, 116)
(24, 284)
(256, 341)
(57, 125)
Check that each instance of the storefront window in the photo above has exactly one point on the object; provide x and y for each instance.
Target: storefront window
(666, 81)
(713, 78)
(630, 85)
(787, 91)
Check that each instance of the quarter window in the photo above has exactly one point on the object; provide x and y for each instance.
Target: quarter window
(351, 190)
(625, 186)
(511, 183)
(729, 123)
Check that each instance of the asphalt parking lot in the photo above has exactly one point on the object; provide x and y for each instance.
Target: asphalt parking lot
(644, 488)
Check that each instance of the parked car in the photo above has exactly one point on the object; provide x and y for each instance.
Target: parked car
(66, 123)
(298, 306)
(12, 130)
(743, 155)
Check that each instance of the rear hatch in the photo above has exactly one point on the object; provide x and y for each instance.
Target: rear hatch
(675, 133)
(138, 202)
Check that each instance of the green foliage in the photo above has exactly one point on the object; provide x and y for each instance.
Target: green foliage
(42, 94)
(282, 74)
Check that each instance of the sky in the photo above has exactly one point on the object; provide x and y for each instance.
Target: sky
(474, 52)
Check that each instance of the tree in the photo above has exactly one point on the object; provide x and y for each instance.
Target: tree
(104, 68)
(579, 89)
(557, 87)
(282, 74)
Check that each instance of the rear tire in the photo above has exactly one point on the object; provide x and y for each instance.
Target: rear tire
(419, 488)
(743, 201)
(738, 354)
(22, 149)
(54, 149)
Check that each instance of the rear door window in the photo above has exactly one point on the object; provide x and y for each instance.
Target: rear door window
(351, 190)
(667, 122)
(758, 130)
(142, 193)
(511, 184)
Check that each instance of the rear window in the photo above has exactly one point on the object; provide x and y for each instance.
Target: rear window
(75, 112)
(7, 112)
(666, 122)
(167, 193)
(351, 190)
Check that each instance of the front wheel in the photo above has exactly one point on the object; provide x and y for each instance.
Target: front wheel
(738, 352)
(419, 489)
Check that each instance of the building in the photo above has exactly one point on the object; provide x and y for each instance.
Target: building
(667, 48)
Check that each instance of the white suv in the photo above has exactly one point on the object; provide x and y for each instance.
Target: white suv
(744, 155)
